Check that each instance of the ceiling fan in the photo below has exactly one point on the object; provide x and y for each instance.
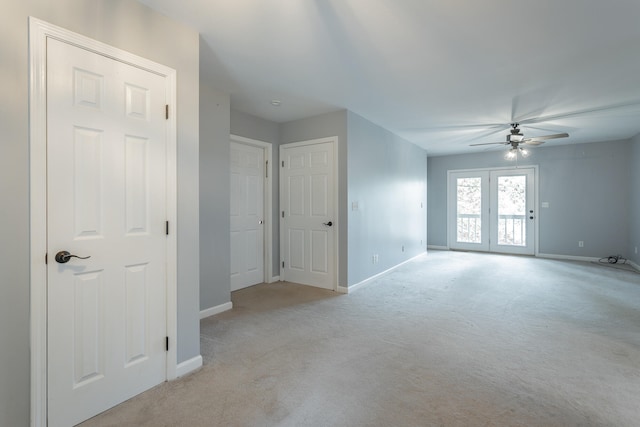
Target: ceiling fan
(516, 137)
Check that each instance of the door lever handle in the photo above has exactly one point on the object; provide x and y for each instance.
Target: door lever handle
(63, 257)
(328, 224)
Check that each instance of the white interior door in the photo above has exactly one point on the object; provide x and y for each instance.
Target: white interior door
(492, 210)
(106, 180)
(307, 214)
(247, 215)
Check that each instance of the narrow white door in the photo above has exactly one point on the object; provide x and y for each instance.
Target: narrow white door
(512, 211)
(247, 215)
(469, 210)
(492, 210)
(307, 214)
(106, 179)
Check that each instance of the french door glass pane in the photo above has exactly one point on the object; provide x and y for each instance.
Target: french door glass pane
(512, 210)
(469, 210)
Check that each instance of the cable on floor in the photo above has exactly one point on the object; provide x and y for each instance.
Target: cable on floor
(616, 261)
(613, 259)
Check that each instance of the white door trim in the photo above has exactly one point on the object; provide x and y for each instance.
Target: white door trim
(268, 201)
(336, 206)
(39, 31)
(536, 203)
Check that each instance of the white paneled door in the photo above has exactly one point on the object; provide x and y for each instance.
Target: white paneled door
(492, 210)
(308, 214)
(106, 196)
(247, 215)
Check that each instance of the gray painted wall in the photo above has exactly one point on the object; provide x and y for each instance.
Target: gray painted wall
(215, 244)
(586, 185)
(327, 125)
(128, 25)
(243, 124)
(387, 179)
(634, 202)
(253, 127)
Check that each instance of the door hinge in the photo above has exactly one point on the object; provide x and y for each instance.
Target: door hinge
(166, 112)
(282, 264)
(283, 163)
(282, 214)
(166, 344)
(46, 258)
(166, 227)
(266, 169)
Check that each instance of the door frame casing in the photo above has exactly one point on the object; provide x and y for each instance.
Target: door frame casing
(336, 205)
(267, 202)
(39, 32)
(536, 199)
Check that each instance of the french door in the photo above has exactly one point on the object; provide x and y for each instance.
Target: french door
(492, 210)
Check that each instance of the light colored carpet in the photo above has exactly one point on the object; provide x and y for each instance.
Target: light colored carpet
(451, 339)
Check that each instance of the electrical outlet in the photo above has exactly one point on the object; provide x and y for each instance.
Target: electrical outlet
(581, 244)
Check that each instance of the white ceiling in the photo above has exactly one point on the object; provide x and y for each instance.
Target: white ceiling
(440, 73)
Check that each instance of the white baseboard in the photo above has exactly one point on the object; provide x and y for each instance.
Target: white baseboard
(352, 288)
(437, 248)
(274, 279)
(634, 265)
(216, 310)
(568, 257)
(188, 366)
(342, 290)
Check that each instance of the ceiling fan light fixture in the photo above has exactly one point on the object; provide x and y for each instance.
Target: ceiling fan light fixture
(511, 154)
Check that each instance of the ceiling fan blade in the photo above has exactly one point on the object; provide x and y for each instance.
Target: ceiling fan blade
(534, 142)
(545, 137)
(488, 143)
(455, 127)
(606, 108)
